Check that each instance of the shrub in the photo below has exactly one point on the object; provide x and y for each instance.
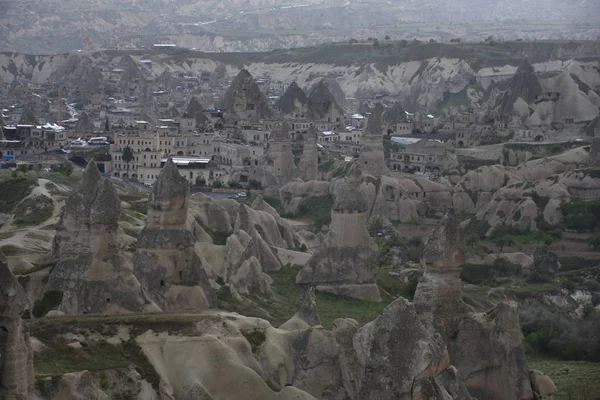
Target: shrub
(50, 300)
(254, 184)
(34, 211)
(65, 168)
(13, 191)
(217, 184)
(581, 215)
(318, 209)
(594, 241)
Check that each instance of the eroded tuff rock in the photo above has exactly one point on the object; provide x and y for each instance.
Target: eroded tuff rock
(402, 359)
(322, 102)
(255, 239)
(229, 356)
(523, 85)
(307, 314)
(244, 98)
(308, 169)
(294, 103)
(487, 349)
(16, 356)
(91, 272)
(545, 263)
(488, 352)
(165, 261)
(278, 166)
(296, 193)
(438, 294)
(372, 158)
(345, 263)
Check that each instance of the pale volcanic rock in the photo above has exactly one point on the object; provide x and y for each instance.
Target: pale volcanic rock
(345, 264)
(322, 102)
(91, 272)
(307, 314)
(79, 386)
(230, 356)
(308, 168)
(402, 358)
(278, 163)
(294, 103)
(165, 261)
(16, 366)
(438, 294)
(488, 352)
(371, 158)
(244, 98)
(524, 85)
(295, 193)
(542, 385)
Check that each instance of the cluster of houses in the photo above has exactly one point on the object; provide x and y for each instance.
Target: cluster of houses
(146, 122)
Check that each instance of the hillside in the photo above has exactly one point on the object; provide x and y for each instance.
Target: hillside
(234, 25)
(421, 75)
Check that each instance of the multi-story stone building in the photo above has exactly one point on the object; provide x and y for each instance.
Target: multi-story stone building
(424, 156)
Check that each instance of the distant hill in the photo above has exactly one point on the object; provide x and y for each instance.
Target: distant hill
(255, 25)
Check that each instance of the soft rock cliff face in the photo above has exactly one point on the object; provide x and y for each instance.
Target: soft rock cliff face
(345, 264)
(165, 261)
(244, 98)
(16, 356)
(294, 103)
(308, 169)
(524, 85)
(278, 165)
(403, 360)
(372, 159)
(255, 236)
(487, 349)
(229, 356)
(438, 294)
(92, 273)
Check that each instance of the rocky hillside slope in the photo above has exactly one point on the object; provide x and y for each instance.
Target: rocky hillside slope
(428, 75)
(236, 25)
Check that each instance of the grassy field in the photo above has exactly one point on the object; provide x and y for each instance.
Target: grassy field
(574, 380)
(287, 297)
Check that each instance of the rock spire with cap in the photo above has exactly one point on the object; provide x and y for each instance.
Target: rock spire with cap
(308, 168)
(165, 261)
(346, 263)
(372, 156)
(91, 272)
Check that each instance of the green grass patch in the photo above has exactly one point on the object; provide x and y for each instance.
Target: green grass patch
(94, 357)
(471, 163)
(394, 287)
(35, 268)
(327, 165)
(13, 191)
(37, 236)
(537, 288)
(34, 211)
(218, 237)
(48, 302)
(575, 380)
(288, 296)
(6, 235)
(317, 209)
(573, 263)
(12, 250)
